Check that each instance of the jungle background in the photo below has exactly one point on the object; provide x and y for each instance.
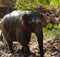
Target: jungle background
(51, 31)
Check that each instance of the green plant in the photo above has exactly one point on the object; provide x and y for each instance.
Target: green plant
(31, 4)
(25, 4)
(49, 26)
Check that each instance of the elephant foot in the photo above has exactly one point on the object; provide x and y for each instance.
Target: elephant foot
(28, 54)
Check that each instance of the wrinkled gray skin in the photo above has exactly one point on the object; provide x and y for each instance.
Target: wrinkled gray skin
(18, 26)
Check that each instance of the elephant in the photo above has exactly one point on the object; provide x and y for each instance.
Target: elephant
(18, 26)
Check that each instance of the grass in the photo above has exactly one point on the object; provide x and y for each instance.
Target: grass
(49, 34)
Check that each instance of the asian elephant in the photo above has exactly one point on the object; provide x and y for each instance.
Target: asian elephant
(18, 26)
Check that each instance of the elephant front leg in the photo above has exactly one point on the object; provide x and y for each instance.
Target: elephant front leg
(40, 42)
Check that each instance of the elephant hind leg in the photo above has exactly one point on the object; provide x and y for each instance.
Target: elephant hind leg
(7, 37)
(10, 46)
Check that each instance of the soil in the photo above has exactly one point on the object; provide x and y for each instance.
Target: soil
(51, 48)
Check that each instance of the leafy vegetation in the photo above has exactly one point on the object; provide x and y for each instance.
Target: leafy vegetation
(31, 4)
(25, 4)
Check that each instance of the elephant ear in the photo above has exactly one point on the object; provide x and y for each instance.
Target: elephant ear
(25, 19)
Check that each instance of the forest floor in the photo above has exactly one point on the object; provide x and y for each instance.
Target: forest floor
(51, 48)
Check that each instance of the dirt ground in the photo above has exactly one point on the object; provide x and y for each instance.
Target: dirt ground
(51, 48)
